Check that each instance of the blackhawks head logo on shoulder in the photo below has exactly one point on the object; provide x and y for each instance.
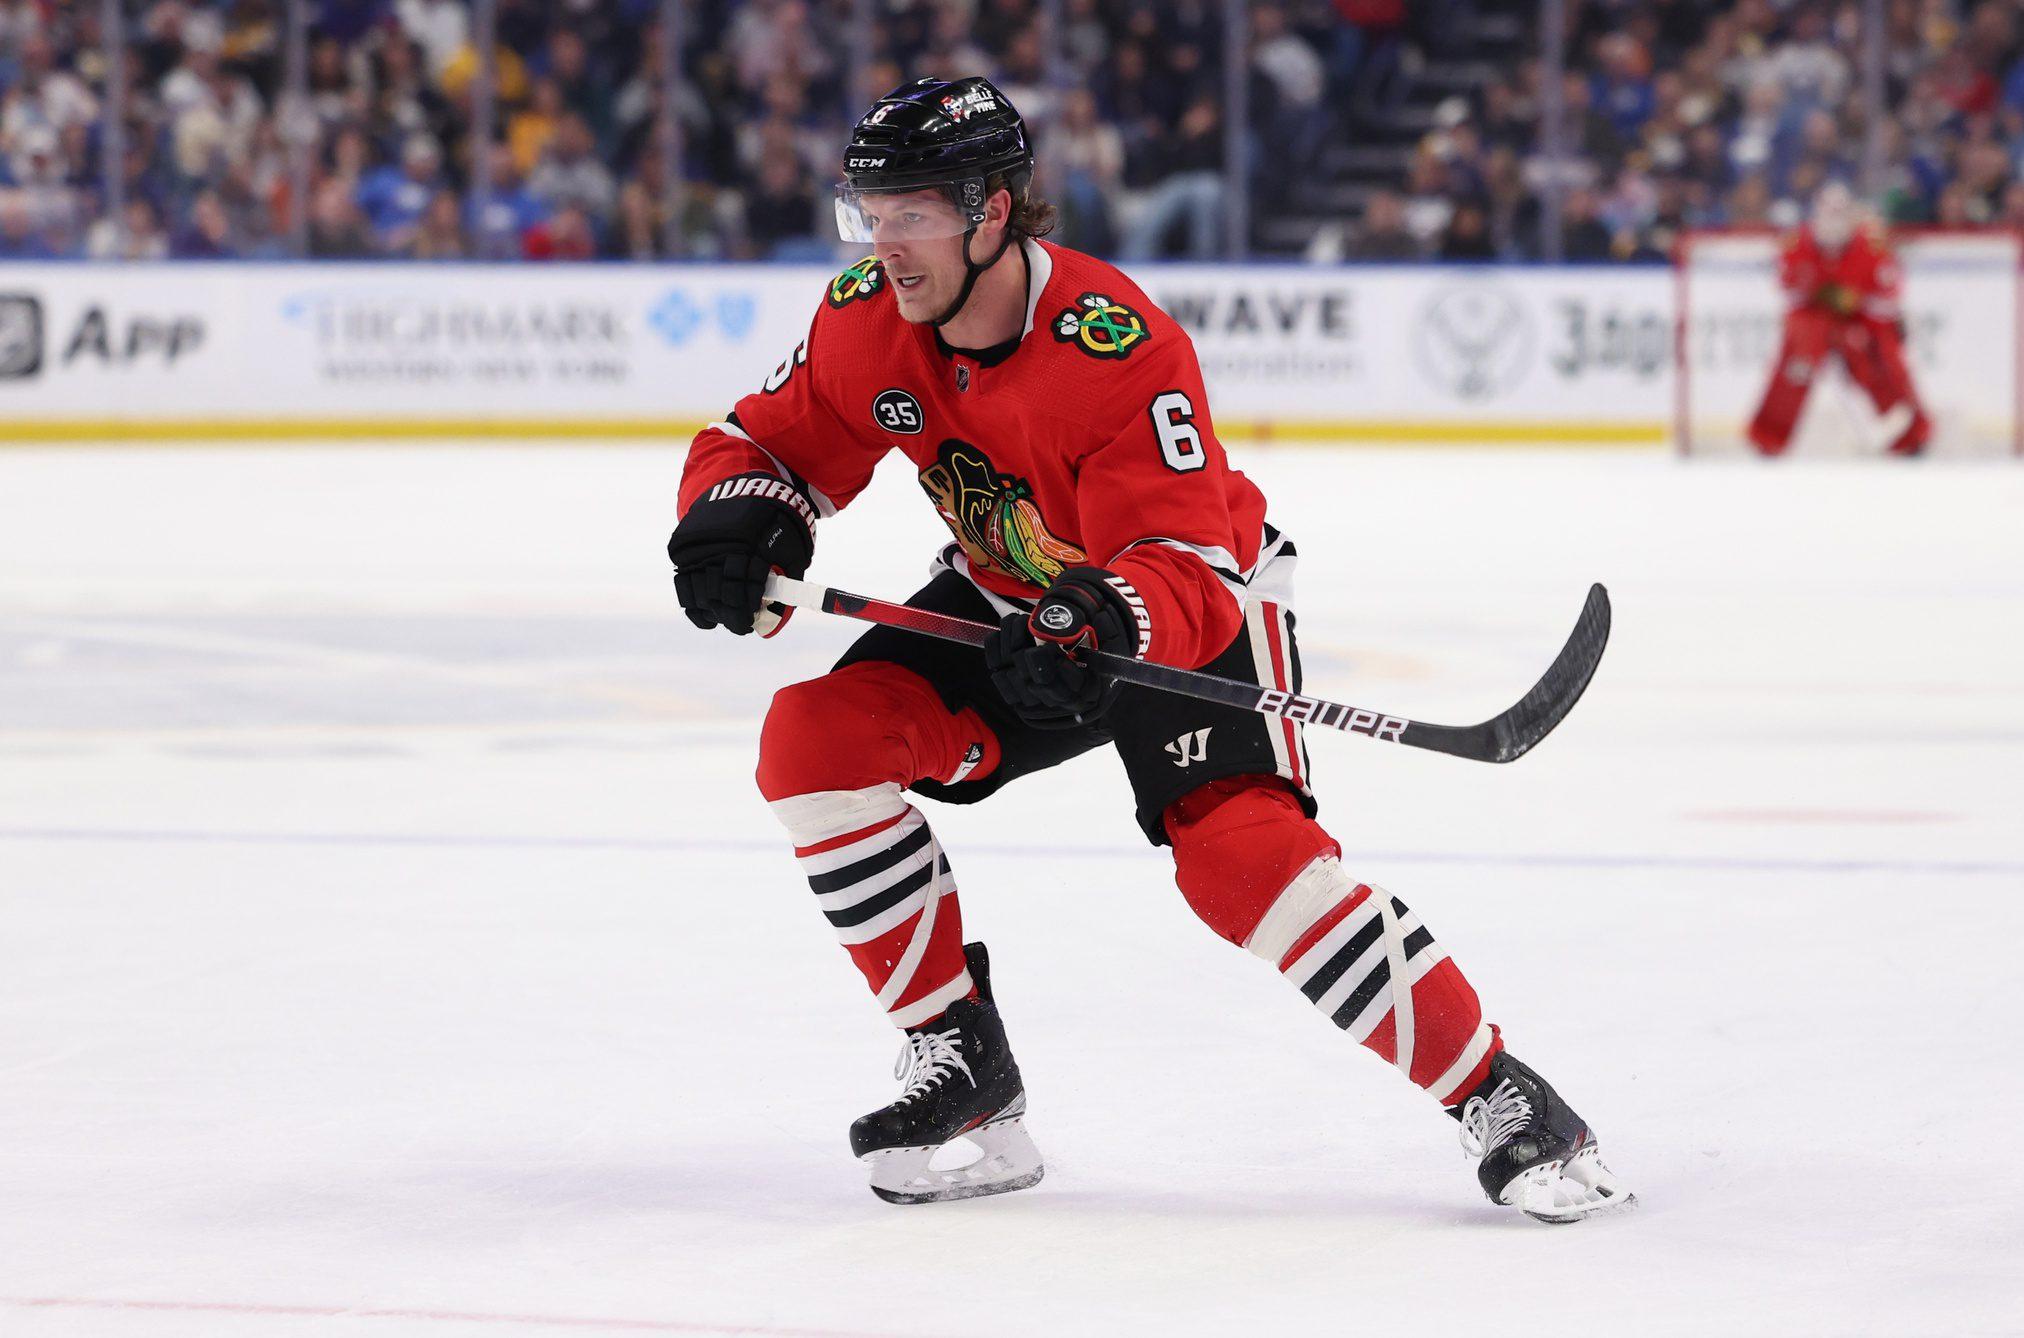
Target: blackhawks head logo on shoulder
(861, 280)
(1101, 327)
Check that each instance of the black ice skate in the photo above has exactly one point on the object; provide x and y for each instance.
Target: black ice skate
(1536, 1154)
(962, 1088)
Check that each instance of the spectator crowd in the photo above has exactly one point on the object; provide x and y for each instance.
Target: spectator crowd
(1679, 114)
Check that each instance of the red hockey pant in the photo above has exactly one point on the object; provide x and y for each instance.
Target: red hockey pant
(1874, 354)
(838, 751)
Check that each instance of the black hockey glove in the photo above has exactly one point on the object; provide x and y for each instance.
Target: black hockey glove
(733, 537)
(1040, 662)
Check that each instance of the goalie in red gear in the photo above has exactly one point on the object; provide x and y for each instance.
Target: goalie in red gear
(1057, 421)
(1842, 285)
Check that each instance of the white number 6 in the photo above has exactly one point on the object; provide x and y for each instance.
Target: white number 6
(1180, 440)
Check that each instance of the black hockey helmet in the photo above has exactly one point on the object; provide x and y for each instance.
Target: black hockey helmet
(950, 135)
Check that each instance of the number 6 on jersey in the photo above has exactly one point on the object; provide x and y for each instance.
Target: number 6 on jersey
(1180, 440)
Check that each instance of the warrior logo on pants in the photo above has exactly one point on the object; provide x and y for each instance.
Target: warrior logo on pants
(1191, 748)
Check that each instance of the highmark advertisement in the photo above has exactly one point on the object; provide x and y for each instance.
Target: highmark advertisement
(196, 351)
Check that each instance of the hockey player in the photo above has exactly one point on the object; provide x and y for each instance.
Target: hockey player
(1841, 285)
(1059, 426)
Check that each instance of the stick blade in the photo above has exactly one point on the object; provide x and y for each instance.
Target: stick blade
(1511, 735)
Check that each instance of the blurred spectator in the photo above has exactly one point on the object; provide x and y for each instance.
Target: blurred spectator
(1812, 72)
(43, 94)
(780, 209)
(1749, 204)
(496, 222)
(1022, 75)
(1467, 236)
(1081, 169)
(143, 239)
(1513, 211)
(393, 198)
(404, 102)
(440, 235)
(1429, 202)
(336, 89)
(1583, 234)
(1677, 114)
(42, 181)
(212, 113)
(641, 224)
(1621, 90)
(21, 237)
(532, 129)
(773, 37)
(1190, 189)
(338, 229)
(564, 235)
(567, 61)
(1384, 235)
(441, 27)
(570, 173)
(462, 67)
(1293, 76)
(1363, 56)
(208, 234)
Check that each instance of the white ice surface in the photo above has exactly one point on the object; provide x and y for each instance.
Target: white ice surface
(392, 941)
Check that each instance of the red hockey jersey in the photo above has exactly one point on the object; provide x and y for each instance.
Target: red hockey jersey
(1091, 444)
(1862, 279)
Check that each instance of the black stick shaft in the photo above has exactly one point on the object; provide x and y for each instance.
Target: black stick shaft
(1502, 739)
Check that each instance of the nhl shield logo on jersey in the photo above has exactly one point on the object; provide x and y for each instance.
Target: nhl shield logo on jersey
(1101, 327)
(862, 280)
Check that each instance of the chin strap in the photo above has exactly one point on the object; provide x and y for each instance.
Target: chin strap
(974, 272)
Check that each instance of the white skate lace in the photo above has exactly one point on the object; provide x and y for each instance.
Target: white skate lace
(927, 1058)
(1489, 1125)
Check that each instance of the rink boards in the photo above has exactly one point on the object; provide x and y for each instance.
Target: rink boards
(261, 351)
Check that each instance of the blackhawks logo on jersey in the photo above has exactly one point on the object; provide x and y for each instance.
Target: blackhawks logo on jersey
(993, 516)
(1100, 327)
(861, 280)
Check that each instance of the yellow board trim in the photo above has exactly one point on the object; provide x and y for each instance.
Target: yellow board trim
(1289, 432)
(1459, 431)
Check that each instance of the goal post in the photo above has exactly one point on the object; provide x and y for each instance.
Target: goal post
(1964, 326)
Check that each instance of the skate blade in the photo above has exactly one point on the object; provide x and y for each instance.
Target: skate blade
(1562, 1193)
(1006, 1160)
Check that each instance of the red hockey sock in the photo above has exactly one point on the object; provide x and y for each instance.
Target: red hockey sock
(1263, 874)
(835, 754)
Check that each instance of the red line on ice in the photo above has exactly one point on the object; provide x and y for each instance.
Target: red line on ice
(1847, 816)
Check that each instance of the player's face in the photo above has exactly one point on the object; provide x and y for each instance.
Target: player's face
(919, 236)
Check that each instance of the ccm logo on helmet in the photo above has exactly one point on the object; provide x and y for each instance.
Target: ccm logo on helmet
(857, 163)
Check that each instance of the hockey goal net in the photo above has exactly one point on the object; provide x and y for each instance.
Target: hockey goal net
(1964, 323)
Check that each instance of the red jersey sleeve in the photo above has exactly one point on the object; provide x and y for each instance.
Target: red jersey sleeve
(1160, 506)
(789, 428)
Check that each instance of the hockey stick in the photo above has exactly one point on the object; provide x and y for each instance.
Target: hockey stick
(1504, 738)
